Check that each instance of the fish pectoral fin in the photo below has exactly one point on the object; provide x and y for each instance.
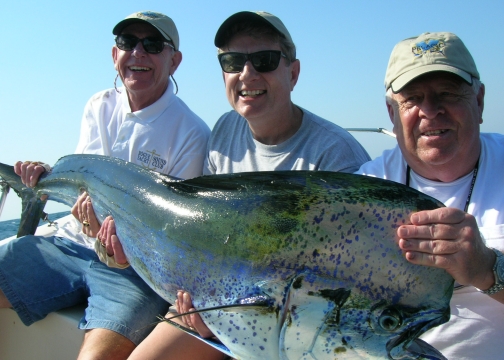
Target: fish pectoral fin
(213, 342)
(308, 306)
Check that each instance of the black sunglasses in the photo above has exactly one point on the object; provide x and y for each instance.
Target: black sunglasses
(262, 61)
(151, 45)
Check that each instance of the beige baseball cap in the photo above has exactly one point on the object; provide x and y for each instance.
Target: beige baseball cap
(261, 16)
(415, 56)
(161, 22)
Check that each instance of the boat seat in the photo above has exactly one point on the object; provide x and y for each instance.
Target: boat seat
(53, 338)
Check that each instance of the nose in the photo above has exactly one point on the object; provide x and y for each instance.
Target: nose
(139, 50)
(431, 106)
(248, 72)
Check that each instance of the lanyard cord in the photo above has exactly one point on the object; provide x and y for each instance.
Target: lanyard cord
(473, 181)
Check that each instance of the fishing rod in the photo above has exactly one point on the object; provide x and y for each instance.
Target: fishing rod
(377, 130)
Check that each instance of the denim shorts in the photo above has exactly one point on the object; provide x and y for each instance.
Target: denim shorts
(39, 275)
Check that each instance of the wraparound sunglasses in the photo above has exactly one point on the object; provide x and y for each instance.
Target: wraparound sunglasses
(151, 45)
(262, 61)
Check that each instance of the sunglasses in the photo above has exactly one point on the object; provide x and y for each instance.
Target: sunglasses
(262, 61)
(151, 45)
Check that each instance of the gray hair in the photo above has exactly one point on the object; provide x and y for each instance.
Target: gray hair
(476, 86)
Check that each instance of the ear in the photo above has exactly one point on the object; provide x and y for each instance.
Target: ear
(175, 61)
(114, 56)
(480, 98)
(391, 113)
(390, 110)
(295, 70)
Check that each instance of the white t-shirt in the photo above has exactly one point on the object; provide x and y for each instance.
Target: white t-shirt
(166, 137)
(476, 325)
(317, 145)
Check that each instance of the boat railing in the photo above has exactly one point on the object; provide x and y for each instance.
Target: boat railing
(376, 130)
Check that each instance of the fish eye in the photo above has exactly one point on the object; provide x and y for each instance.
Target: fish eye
(390, 319)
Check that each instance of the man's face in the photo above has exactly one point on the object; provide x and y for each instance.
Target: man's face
(259, 96)
(436, 120)
(145, 74)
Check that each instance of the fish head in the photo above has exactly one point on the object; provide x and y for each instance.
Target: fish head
(327, 319)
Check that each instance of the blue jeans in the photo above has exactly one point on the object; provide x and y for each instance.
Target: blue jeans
(39, 275)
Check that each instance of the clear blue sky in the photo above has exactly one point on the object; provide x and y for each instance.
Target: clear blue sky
(56, 54)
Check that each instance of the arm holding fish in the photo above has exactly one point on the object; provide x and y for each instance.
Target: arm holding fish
(449, 239)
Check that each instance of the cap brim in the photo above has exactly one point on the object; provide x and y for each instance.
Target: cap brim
(404, 79)
(127, 22)
(220, 37)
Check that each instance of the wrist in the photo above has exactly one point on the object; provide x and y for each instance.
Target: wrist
(497, 274)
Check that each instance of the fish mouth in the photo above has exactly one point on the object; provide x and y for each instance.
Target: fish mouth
(407, 344)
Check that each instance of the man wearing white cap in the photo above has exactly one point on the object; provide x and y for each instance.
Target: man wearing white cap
(142, 122)
(435, 100)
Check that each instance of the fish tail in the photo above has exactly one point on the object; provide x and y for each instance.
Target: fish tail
(33, 207)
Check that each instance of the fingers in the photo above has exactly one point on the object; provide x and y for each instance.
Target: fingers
(106, 232)
(438, 216)
(442, 223)
(29, 172)
(117, 249)
(108, 238)
(200, 326)
(183, 305)
(428, 253)
(83, 211)
(77, 208)
(449, 239)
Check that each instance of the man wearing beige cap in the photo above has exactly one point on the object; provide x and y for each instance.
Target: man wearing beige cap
(142, 122)
(435, 101)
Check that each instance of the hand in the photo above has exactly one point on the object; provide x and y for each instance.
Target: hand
(449, 239)
(108, 238)
(183, 305)
(84, 213)
(29, 171)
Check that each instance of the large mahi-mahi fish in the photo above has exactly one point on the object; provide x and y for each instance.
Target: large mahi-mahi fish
(309, 259)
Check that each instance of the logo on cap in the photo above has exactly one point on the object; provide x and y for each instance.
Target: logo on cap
(428, 46)
(149, 15)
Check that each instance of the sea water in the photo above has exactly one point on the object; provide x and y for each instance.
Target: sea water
(10, 227)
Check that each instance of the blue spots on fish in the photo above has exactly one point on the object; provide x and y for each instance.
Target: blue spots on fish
(270, 227)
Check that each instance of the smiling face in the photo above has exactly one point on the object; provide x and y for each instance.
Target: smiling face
(436, 120)
(261, 98)
(145, 76)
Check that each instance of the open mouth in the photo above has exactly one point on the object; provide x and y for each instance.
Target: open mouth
(434, 132)
(252, 93)
(139, 68)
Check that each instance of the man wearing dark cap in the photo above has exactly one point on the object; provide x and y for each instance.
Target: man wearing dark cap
(142, 122)
(265, 131)
(435, 101)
